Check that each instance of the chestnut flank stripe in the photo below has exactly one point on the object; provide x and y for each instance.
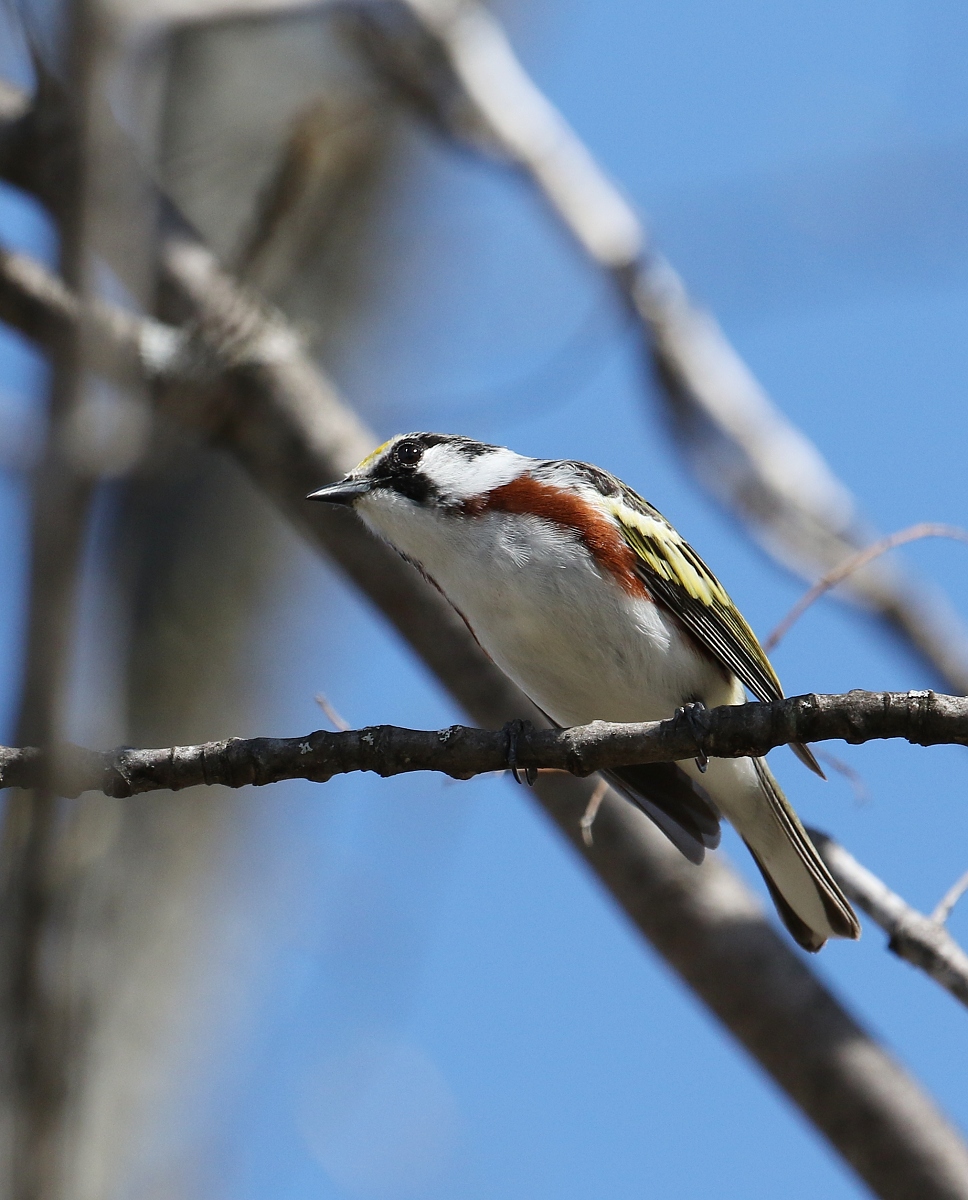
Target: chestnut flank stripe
(529, 496)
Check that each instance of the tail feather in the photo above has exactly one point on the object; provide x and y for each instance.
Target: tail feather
(807, 897)
(796, 875)
(800, 931)
(679, 806)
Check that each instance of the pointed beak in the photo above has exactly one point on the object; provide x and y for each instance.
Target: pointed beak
(344, 492)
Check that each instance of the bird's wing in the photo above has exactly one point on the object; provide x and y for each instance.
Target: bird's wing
(679, 580)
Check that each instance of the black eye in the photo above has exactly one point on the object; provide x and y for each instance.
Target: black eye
(408, 453)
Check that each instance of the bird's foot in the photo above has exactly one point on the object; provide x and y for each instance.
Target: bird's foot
(513, 731)
(694, 715)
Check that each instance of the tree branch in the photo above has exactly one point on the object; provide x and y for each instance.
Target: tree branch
(732, 731)
(920, 940)
(923, 718)
(843, 570)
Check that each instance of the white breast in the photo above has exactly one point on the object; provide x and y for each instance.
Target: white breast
(569, 636)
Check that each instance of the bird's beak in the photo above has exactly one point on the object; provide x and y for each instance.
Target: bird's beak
(344, 492)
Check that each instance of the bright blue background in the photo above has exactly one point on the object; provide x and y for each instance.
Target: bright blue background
(445, 1004)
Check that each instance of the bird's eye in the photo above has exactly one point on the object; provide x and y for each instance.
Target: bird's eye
(408, 453)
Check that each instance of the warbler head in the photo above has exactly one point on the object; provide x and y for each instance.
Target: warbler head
(425, 471)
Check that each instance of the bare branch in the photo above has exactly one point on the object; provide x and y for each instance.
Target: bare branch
(336, 719)
(286, 425)
(732, 731)
(926, 529)
(38, 1028)
(462, 752)
(858, 783)
(454, 64)
(39, 304)
(946, 904)
(591, 812)
(330, 151)
(275, 413)
(920, 940)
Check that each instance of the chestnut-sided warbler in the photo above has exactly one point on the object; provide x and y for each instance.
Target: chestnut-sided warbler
(593, 604)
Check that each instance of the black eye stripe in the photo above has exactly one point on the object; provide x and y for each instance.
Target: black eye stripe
(415, 487)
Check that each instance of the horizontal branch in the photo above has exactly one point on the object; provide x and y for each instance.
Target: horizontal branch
(732, 731)
(920, 940)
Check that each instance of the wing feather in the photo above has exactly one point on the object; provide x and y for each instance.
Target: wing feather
(679, 580)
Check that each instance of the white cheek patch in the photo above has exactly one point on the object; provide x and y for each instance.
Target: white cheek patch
(459, 477)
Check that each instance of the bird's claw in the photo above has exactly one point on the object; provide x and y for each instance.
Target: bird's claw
(693, 713)
(513, 730)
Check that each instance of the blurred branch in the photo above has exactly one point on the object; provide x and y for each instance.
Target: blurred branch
(455, 65)
(286, 193)
(926, 529)
(946, 904)
(61, 493)
(193, 557)
(920, 940)
(66, 143)
(269, 406)
(14, 104)
(452, 62)
(732, 731)
(42, 1040)
(329, 152)
(39, 305)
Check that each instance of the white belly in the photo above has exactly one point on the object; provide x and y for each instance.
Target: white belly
(569, 636)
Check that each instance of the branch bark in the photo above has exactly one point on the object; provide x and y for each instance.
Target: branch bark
(920, 940)
(732, 731)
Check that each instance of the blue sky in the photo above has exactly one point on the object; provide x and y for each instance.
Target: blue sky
(441, 1002)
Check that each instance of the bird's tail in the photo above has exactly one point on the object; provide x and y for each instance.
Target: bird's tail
(806, 896)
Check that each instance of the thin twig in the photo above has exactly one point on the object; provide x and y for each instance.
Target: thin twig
(335, 719)
(862, 792)
(925, 529)
(591, 812)
(950, 899)
(920, 940)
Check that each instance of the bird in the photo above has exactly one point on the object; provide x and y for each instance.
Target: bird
(598, 609)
